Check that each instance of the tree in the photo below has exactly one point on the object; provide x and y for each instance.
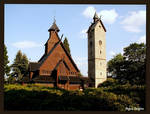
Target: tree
(25, 63)
(114, 65)
(66, 45)
(135, 55)
(6, 61)
(131, 66)
(135, 52)
(20, 66)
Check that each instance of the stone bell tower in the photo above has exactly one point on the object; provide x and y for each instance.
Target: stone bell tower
(97, 51)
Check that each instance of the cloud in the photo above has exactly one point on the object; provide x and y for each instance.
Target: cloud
(108, 16)
(112, 53)
(89, 12)
(134, 21)
(25, 44)
(142, 39)
(83, 33)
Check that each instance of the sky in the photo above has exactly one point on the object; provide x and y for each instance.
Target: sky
(26, 28)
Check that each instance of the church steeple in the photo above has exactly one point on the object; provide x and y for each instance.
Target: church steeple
(54, 27)
(95, 18)
(97, 51)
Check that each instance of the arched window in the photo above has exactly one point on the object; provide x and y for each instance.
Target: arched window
(100, 42)
(100, 73)
(100, 52)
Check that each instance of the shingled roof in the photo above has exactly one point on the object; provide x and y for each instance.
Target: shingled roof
(94, 24)
(46, 56)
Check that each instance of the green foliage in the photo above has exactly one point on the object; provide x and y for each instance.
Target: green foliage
(35, 97)
(6, 61)
(131, 66)
(114, 64)
(135, 52)
(109, 82)
(66, 45)
(24, 62)
(19, 66)
(134, 92)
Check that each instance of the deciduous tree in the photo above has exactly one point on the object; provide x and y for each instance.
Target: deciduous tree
(131, 66)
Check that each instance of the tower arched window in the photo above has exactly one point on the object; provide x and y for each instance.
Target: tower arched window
(100, 42)
(100, 52)
(100, 73)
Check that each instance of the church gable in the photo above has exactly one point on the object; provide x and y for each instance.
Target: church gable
(54, 57)
(96, 21)
(63, 68)
(99, 26)
(56, 53)
(99, 23)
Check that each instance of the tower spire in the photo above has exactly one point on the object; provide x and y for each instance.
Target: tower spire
(54, 19)
(95, 17)
(54, 27)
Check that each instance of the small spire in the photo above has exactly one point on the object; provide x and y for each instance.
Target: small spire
(54, 27)
(54, 20)
(95, 17)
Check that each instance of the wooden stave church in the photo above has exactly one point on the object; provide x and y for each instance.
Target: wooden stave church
(56, 67)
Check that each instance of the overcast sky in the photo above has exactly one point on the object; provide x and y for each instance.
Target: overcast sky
(26, 28)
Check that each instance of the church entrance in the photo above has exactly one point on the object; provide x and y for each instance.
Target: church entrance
(63, 82)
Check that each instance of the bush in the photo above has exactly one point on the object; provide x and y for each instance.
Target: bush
(33, 97)
(109, 82)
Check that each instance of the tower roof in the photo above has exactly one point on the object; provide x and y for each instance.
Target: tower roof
(92, 26)
(54, 27)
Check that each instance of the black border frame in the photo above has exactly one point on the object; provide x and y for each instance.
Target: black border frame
(121, 2)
